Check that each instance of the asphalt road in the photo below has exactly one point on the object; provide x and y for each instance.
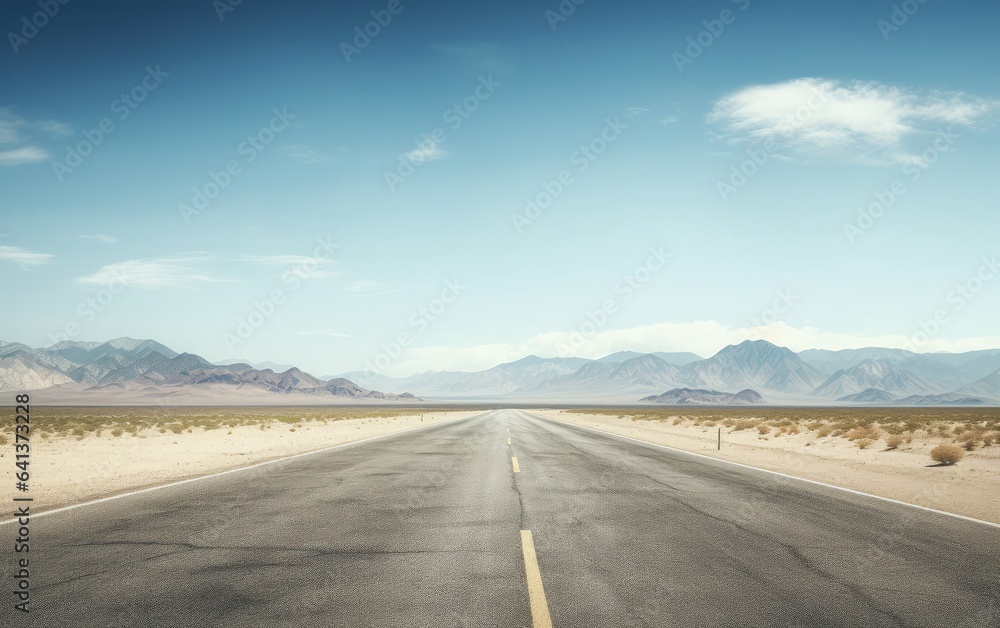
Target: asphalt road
(425, 529)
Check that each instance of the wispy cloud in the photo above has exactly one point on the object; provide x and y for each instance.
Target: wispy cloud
(154, 272)
(23, 258)
(866, 122)
(25, 138)
(636, 111)
(23, 155)
(324, 332)
(303, 154)
(189, 269)
(367, 288)
(99, 237)
(420, 155)
(669, 120)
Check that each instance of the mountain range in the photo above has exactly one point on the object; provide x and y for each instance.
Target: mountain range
(129, 370)
(145, 370)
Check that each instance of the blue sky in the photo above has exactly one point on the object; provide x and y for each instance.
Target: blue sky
(684, 205)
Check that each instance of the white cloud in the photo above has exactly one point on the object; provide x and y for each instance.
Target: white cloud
(23, 155)
(154, 272)
(324, 332)
(25, 136)
(366, 288)
(100, 237)
(669, 120)
(187, 269)
(636, 111)
(54, 128)
(25, 259)
(429, 153)
(312, 270)
(303, 154)
(858, 121)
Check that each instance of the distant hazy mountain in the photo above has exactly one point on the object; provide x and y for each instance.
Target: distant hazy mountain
(676, 358)
(428, 382)
(979, 364)
(149, 370)
(590, 376)
(87, 352)
(988, 386)
(697, 396)
(260, 366)
(753, 364)
(524, 374)
(757, 365)
(645, 370)
(833, 361)
(948, 370)
(870, 395)
(875, 374)
(930, 367)
(947, 399)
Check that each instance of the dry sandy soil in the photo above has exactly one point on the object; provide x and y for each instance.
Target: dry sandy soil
(67, 469)
(907, 474)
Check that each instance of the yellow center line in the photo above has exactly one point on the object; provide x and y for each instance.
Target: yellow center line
(536, 592)
(513, 462)
(508, 440)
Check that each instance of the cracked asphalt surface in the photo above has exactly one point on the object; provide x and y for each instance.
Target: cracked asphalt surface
(422, 529)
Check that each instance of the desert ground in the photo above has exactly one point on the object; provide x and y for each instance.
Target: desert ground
(81, 454)
(882, 451)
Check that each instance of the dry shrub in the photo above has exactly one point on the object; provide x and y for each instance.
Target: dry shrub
(868, 432)
(864, 443)
(989, 438)
(969, 445)
(824, 431)
(793, 429)
(946, 453)
(678, 421)
(745, 424)
(117, 432)
(763, 430)
(894, 441)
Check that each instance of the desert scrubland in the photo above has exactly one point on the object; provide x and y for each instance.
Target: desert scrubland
(882, 451)
(80, 454)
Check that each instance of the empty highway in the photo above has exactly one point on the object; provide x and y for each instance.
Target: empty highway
(507, 519)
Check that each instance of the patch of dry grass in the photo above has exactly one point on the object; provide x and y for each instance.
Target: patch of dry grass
(78, 422)
(972, 427)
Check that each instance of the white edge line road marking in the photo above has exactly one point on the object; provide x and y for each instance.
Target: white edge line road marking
(778, 473)
(536, 592)
(220, 473)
